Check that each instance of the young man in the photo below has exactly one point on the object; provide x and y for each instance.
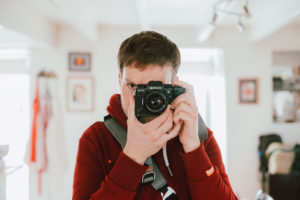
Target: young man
(106, 171)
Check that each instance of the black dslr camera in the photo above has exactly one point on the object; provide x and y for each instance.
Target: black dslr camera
(153, 99)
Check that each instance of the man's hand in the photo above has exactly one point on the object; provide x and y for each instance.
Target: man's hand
(186, 113)
(144, 140)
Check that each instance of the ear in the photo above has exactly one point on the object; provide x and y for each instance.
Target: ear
(120, 77)
(176, 78)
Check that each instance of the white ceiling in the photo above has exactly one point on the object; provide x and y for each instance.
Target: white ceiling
(87, 16)
(130, 12)
(12, 39)
(295, 22)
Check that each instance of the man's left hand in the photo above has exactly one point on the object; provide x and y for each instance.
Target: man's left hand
(186, 112)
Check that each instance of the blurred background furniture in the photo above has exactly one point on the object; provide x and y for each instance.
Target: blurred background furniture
(284, 187)
(4, 172)
(279, 167)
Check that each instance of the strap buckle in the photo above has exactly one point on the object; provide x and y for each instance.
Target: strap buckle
(168, 194)
(148, 177)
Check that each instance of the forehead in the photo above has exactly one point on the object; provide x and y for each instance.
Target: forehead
(149, 73)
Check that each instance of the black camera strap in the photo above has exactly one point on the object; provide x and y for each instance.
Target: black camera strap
(154, 175)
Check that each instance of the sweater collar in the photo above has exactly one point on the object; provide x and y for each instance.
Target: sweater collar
(116, 111)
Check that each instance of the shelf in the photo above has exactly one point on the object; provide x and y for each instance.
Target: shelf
(6, 170)
(286, 89)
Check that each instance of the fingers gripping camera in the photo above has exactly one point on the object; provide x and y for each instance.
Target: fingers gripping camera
(153, 98)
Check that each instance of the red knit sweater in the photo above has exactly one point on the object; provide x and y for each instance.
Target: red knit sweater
(103, 171)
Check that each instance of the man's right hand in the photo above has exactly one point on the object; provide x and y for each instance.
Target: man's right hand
(144, 140)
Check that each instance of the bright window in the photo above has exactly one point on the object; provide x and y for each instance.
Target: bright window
(202, 69)
(14, 121)
(14, 130)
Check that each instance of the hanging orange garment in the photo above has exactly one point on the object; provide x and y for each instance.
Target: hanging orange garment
(44, 118)
(45, 134)
(38, 153)
(36, 108)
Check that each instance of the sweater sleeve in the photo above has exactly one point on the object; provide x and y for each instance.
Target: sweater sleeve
(91, 183)
(206, 174)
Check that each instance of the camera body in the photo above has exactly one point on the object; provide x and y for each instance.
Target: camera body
(153, 98)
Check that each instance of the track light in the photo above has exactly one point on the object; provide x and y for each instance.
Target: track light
(240, 26)
(214, 19)
(206, 32)
(225, 7)
(208, 29)
(247, 14)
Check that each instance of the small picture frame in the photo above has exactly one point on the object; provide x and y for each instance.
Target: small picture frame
(79, 61)
(248, 91)
(80, 93)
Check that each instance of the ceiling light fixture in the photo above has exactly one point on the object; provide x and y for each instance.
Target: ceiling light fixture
(208, 29)
(243, 10)
(247, 14)
(206, 32)
(220, 8)
(214, 19)
(240, 26)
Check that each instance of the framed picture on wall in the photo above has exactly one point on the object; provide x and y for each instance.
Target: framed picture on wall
(248, 91)
(79, 61)
(80, 93)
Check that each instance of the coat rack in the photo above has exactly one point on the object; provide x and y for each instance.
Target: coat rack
(47, 74)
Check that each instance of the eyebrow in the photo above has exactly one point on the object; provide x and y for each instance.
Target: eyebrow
(129, 81)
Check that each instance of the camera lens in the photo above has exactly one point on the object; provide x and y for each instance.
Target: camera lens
(155, 102)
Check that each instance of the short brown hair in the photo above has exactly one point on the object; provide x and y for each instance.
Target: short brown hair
(148, 47)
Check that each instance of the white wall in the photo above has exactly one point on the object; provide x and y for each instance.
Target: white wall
(246, 122)
(104, 70)
(242, 59)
